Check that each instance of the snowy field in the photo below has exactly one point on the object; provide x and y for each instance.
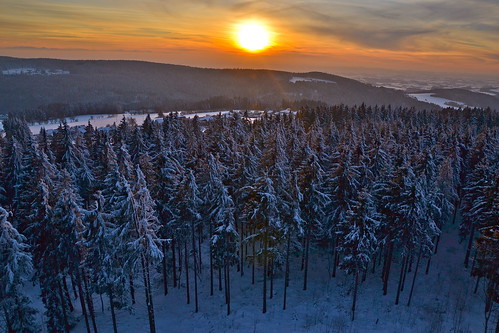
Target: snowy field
(442, 102)
(34, 71)
(103, 120)
(295, 79)
(443, 302)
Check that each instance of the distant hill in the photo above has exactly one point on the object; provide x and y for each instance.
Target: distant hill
(48, 83)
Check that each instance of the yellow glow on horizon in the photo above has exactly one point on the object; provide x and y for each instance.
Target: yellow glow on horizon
(253, 37)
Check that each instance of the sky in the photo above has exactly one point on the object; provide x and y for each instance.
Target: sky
(453, 36)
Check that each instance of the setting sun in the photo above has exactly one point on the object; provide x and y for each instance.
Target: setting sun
(253, 37)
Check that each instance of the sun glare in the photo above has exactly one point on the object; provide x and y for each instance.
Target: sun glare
(253, 37)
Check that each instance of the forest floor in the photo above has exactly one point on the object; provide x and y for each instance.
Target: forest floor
(443, 301)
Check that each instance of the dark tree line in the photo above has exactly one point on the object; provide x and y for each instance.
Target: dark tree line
(90, 212)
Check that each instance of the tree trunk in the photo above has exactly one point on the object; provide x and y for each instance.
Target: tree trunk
(174, 264)
(188, 294)
(399, 288)
(334, 256)
(286, 273)
(111, 304)
(90, 302)
(149, 302)
(470, 243)
(165, 264)
(271, 278)
(356, 285)
(476, 286)
(211, 262)
(132, 289)
(406, 270)
(307, 248)
(436, 244)
(101, 303)
(264, 306)
(63, 305)
(66, 292)
(220, 278)
(456, 205)
(194, 256)
(253, 263)
(414, 278)
(73, 285)
(427, 270)
(200, 254)
(241, 248)
(82, 300)
(387, 267)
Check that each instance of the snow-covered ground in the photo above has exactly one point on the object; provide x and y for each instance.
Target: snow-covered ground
(295, 79)
(99, 121)
(34, 71)
(443, 302)
(442, 102)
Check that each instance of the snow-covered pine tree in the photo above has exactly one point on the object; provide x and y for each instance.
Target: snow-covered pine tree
(16, 268)
(312, 204)
(357, 238)
(262, 216)
(187, 214)
(223, 242)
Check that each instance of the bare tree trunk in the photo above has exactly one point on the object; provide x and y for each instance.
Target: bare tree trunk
(253, 263)
(111, 304)
(470, 243)
(402, 268)
(414, 278)
(241, 248)
(307, 247)
(271, 278)
(200, 254)
(66, 292)
(436, 244)
(286, 273)
(63, 305)
(211, 262)
(132, 289)
(90, 301)
(476, 285)
(165, 266)
(428, 265)
(82, 300)
(335, 254)
(187, 274)
(264, 307)
(174, 264)
(387, 267)
(149, 302)
(220, 278)
(356, 285)
(194, 256)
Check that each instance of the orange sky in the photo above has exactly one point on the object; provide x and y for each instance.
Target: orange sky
(458, 36)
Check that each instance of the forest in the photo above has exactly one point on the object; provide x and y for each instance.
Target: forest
(132, 211)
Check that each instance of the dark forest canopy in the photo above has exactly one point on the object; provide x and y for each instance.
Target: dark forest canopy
(101, 209)
(130, 85)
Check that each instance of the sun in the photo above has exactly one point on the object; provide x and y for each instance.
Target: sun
(253, 37)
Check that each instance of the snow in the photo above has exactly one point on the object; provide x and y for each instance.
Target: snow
(483, 92)
(98, 121)
(443, 302)
(440, 101)
(295, 79)
(34, 71)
